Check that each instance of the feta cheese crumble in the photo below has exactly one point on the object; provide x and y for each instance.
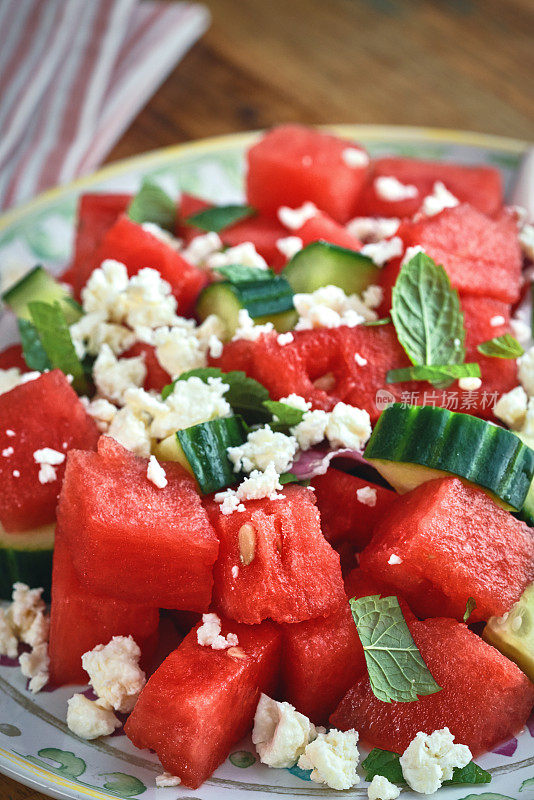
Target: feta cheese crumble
(256, 486)
(355, 157)
(497, 321)
(373, 229)
(88, 719)
(521, 331)
(511, 408)
(333, 758)
(525, 371)
(48, 459)
(430, 759)
(35, 665)
(200, 248)
(289, 246)
(8, 640)
(372, 296)
(360, 360)
(263, 447)
(156, 474)
(113, 377)
(439, 200)
(393, 559)
(348, 427)
(114, 673)
(469, 384)
(382, 252)
(166, 779)
(244, 254)
(311, 430)
(280, 733)
(410, 253)
(382, 789)
(9, 378)
(209, 634)
(391, 189)
(285, 338)
(247, 329)
(526, 240)
(330, 307)
(178, 350)
(294, 218)
(130, 430)
(7, 452)
(296, 401)
(101, 410)
(366, 496)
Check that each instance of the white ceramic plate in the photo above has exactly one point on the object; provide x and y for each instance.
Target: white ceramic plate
(36, 748)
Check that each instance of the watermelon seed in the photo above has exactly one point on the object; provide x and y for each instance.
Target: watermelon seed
(236, 652)
(247, 543)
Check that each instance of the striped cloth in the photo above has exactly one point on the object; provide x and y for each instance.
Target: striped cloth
(73, 75)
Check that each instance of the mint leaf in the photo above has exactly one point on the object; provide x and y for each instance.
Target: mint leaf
(469, 608)
(426, 314)
(387, 764)
(372, 323)
(53, 331)
(505, 346)
(220, 217)
(237, 273)
(395, 665)
(433, 374)
(153, 204)
(285, 416)
(32, 349)
(245, 395)
(288, 477)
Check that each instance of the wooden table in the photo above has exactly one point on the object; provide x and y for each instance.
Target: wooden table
(458, 64)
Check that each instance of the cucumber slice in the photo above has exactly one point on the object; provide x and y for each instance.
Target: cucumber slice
(527, 512)
(39, 285)
(26, 557)
(414, 444)
(323, 264)
(170, 449)
(513, 634)
(265, 301)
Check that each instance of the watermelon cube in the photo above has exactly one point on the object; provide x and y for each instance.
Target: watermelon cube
(43, 413)
(156, 377)
(479, 186)
(274, 561)
(335, 490)
(132, 540)
(452, 542)
(322, 227)
(80, 619)
(292, 164)
(12, 356)
(263, 232)
(481, 255)
(96, 214)
(201, 702)
(137, 248)
(484, 699)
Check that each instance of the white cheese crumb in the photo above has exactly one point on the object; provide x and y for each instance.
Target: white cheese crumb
(525, 371)
(373, 296)
(114, 673)
(294, 218)
(526, 240)
(48, 459)
(391, 189)
(511, 408)
(497, 321)
(263, 447)
(360, 360)
(382, 789)
(296, 401)
(101, 410)
(246, 329)
(289, 246)
(469, 384)
(8, 451)
(34, 665)
(410, 253)
(280, 733)
(8, 639)
(285, 338)
(209, 634)
(244, 254)
(113, 377)
(439, 200)
(333, 758)
(16, 473)
(178, 350)
(160, 233)
(200, 248)
(373, 229)
(354, 157)
(130, 430)
(311, 430)
(521, 331)
(215, 347)
(366, 496)
(255, 487)
(330, 307)
(156, 474)
(348, 427)
(430, 759)
(88, 719)
(166, 779)
(235, 573)
(394, 559)
(9, 378)
(383, 251)
(9, 432)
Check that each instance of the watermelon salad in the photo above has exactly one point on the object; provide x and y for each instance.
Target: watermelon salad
(299, 429)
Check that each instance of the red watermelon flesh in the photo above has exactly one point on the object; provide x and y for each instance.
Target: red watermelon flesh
(454, 542)
(201, 702)
(292, 573)
(132, 540)
(481, 255)
(484, 700)
(135, 247)
(80, 619)
(292, 164)
(96, 214)
(263, 232)
(45, 412)
(189, 205)
(156, 377)
(322, 227)
(479, 186)
(11, 357)
(324, 657)
(337, 490)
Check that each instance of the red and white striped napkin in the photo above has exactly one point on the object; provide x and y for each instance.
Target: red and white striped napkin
(73, 75)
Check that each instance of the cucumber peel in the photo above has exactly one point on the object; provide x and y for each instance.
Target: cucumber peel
(324, 264)
(513, 634)
(26, 557)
